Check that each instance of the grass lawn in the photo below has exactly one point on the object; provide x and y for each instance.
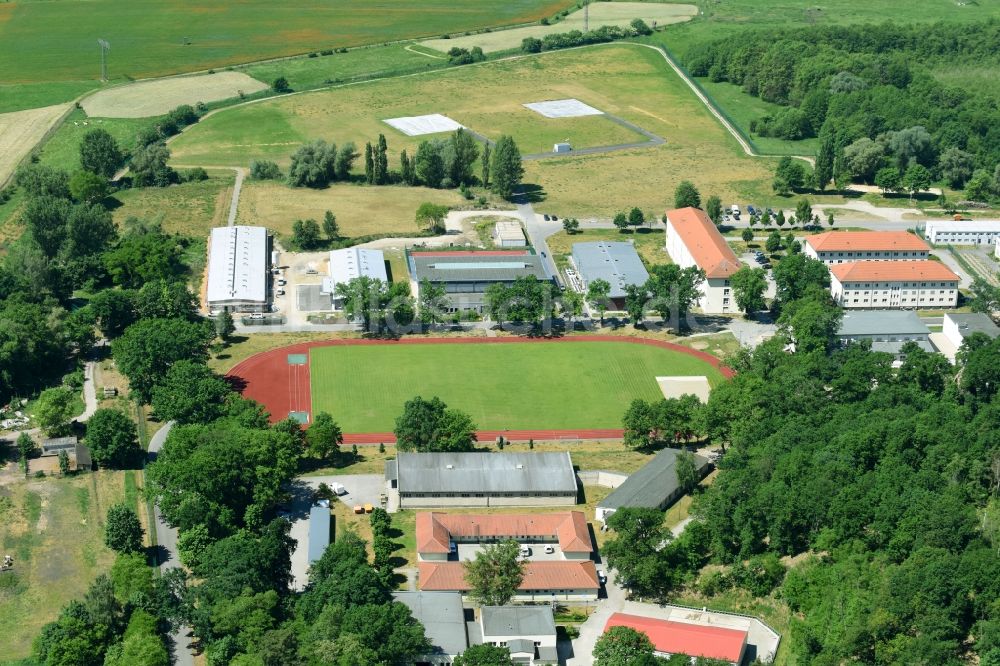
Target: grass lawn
(242, 347)
(54, 41)
(649, 243)
(189, 209)
(360, 210)
(630, 81)
(62, 150)
(53, 528)
(516, 386)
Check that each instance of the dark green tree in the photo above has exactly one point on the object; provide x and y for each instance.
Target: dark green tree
(429, 164)
(190, 393)
(686, 195)
(495, 574)
(112, 438)
(369, 164)
(484, 654)
(749, 286)
(148, 348)
(623, 646)
(324, 436)
(123, 532)
(100, 154)
(429, 425)
(506, 170)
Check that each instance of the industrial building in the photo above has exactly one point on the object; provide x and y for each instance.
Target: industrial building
(962, 232)
(481, 479)
(465, 275)
(893, 284)
(838, 247)
(887, 330)
(693, 240)
(350, 263)
(652, 486)
(238, 269)
(615, 262)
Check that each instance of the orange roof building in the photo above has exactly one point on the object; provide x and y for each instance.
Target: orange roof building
(436, 532)
(894, 284)
(693, 240)
(838, 247)
(694, 640)
(548, 580)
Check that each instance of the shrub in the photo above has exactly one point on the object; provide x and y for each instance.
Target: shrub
(264, 170)
(194, 175)
(280, 84)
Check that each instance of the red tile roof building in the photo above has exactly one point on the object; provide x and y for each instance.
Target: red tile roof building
(838, 247)
(560, 580)
(437, 531)
(694, 640)
(894, 284)
(693, 240)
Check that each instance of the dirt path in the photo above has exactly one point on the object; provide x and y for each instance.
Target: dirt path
(240, 174)
(21, 131)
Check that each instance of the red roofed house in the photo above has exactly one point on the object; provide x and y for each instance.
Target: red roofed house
(436, 532)
(693, 240)
(893, 284)
(694, 640)
(544, 581)
(838, 247)
(565, 574)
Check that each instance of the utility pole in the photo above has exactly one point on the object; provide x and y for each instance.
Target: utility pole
(105, 47)
(586, 16)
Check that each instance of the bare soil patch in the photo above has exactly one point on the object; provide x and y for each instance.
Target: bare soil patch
(154, 98)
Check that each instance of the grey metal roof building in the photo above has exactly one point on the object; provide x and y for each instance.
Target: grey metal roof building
(465, 276)
(443, 618)
(653, 486)
(976, 322)
(871, 323)
(483, 479)
(616, 262)
(319, 532)
(517, 620)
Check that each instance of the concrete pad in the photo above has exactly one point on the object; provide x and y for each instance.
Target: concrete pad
(434, 123)
(944, 345)
(564, 108)
(675, 387)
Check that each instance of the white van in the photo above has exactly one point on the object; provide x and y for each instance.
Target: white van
(735, 210)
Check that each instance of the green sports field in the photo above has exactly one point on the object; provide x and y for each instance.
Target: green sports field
(520, 386)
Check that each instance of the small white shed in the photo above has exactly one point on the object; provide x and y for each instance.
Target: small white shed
(562, 148)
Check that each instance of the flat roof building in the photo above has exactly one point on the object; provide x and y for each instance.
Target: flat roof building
(693, 640)
(837, 247)
(349, 263)
(693, 240)
(465, 276)
(957, 327)
(616, 262)
(319, 532)
(443, 617)
(652, 486)
(508, 233)
(893, 284)
(887, 330)
(529, 632)
(482, 479)
(962, 232)
(237, 269)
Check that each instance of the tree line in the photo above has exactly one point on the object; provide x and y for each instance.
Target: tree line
(868, 93)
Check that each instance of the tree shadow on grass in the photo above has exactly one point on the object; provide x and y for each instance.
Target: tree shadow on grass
(530, 193)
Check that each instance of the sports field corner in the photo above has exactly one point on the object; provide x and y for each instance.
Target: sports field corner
(575, 387)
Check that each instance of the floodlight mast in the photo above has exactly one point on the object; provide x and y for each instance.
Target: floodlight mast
(105, 47)
(586, 16)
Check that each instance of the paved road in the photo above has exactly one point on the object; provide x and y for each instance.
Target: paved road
(166, 538)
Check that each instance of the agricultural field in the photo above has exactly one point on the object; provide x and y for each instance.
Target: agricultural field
(618, 14)
(632, 82)
(20, 131)
(55, 41)
(514, 385)
(144, 99)
(189, 209)
(62, 150)
(53, 528)
(360, 211)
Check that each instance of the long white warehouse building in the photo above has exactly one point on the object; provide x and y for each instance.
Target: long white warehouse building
(962, 232)
(237, 269)
(349, 263)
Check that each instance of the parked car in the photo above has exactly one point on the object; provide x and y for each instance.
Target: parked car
(751, 210)
(280, 292)
(603, 577)
(769, 212)
(453, 548)
(525, 551)
(549, 550)
(282, 283)
(555, 218)
(735, 210)
(545, 216)
(257, 315)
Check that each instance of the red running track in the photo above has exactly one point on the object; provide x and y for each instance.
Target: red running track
(282, 388)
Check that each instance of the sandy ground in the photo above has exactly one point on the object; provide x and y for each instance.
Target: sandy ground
(21, 131)
(156, 97)
(601, 13)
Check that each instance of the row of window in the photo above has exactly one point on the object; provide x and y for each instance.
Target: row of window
(906, 300)
(904, 292)
(556, 493)
(896, 285)
(826, 255)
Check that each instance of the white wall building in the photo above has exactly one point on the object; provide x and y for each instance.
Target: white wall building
(508, 233)
(838, 247)
(893, 284)
(693, 240)
(528, 632)
(237, 269)
(349, 263)
(962, 232)
(957, 327)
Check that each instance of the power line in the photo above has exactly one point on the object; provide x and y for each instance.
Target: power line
(105, 47)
